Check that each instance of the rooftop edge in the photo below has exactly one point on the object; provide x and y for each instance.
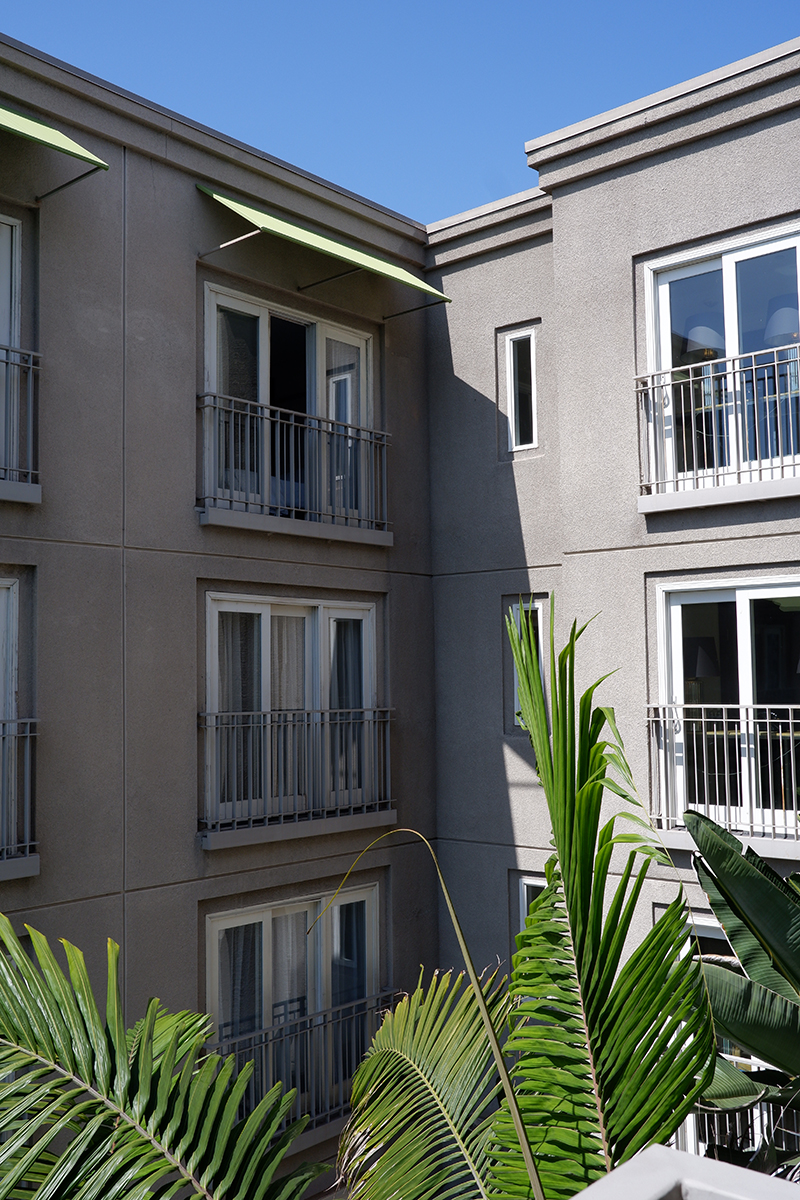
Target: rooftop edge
(740, 67)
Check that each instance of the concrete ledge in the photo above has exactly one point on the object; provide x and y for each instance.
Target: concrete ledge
(19, 868)
(260, 523)
(734, 493)
(225, 839)
(21, 493)
(786, 849)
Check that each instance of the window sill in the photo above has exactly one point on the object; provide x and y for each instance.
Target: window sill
(225, 839)
(19, 868)
(787, 849)
(20, 493)
(735, 493)
(261, 523)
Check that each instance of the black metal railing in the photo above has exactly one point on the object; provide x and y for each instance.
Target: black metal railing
(283, 767)
(17, 781)
(316, 1053)
(274, 462)
(19, 372)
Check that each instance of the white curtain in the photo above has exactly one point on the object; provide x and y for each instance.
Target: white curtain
(239, 662)
(240, 980)
(288, 663)
(289, 966)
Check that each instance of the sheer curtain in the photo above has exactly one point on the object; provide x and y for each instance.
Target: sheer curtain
(288, 663)
(289, 966)
(239, 662)
(241, 738)
(240, 980)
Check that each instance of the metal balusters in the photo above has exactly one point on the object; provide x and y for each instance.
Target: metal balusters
(288, 766)
(274, 462)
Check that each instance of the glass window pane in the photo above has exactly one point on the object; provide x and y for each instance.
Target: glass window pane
(288, 387)
(342, 374)
(710, 654)
(6, 284)
(697, 321)
(523, 391)
(766, 290)
(239, 662)
(237, 354)
(776, 648)
(288, 663)
(347, 666)
(240, 980)
(289, 966)
(349, 960)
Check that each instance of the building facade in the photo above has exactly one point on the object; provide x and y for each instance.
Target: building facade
(262, 518)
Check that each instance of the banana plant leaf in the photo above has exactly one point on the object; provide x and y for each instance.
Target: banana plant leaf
(423, 1098)
(91, 1111)
(760, 1010)
(614, 1042)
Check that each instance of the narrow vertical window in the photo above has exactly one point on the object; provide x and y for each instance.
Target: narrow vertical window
(521, 377)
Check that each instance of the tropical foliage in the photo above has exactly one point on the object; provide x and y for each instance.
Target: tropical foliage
(610, 1044)
(614, 1042)
(90, 1111)
(424, 1097)
(755, 998)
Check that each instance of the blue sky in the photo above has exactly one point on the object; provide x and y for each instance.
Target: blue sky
(423, 106)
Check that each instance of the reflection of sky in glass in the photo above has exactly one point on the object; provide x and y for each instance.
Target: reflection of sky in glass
(697, 318)
(767, 297)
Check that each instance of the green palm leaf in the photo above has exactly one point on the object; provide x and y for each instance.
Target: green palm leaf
(423, 1098)
(611, 1057)
(144, 1114)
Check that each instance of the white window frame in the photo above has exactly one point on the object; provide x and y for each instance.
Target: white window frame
(526, 881)
(320, 953)
(16, 277)
(319, 646)
(684, 263)
(538, 609)
(517, 335)
(671, 598)
(317, 403)
(9, 648)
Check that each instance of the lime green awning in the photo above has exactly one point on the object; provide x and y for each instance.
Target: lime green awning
(326, 245)
(36, 131)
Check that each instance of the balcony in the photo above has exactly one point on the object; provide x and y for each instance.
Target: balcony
(18, 855)
(287, 472)
(19, 475)
(720, 432)
(316, 1053)
(279, 774)
(738, 764)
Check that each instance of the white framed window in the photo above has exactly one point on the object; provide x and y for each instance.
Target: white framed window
(520, 358)
(9, 648)
(530, 886)
(537, 633)
(261, 353)
(264, 969)
(10, 280)
(292, 727)
(728, 728)
(267, 654)
(724, 340)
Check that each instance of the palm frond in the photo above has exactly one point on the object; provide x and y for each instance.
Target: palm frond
(423, 1098)
(613, 1048)
(145, 1115)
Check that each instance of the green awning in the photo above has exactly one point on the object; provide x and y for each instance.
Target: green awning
(326, 245)
(36, 131)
